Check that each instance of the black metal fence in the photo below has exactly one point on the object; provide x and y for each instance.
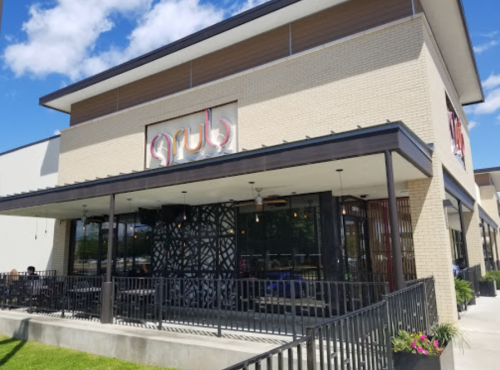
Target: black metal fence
(24, 273)
(431, 311)
(357, 340)
(64, 295)
(283, 307)
(472, 275)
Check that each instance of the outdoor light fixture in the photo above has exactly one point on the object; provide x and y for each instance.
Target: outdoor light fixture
(84, 217)
(185, 216)
(295, 214)
(130, 211)
(342, 190)
(257, 218)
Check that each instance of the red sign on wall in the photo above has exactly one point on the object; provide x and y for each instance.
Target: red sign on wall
(457, 137)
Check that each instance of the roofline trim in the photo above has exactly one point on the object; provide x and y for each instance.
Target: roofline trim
(192, 39)
(30, 144)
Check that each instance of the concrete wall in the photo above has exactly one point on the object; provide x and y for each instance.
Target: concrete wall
(26, 169)
(185, 349)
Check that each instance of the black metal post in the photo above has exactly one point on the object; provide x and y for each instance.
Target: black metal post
(491, 246)
(107, 287)
(399, 279)
(464, 236)
(495, 233)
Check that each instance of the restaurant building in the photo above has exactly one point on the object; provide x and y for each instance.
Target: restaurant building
(320, 138)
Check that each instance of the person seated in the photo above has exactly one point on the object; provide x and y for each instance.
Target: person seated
(32, 275)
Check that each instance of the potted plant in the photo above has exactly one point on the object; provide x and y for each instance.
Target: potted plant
(496, 276)
(464, 293)
(420, 352)
(487, 286)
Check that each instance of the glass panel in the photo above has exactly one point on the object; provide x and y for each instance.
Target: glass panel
(86, 248)
(280, 240)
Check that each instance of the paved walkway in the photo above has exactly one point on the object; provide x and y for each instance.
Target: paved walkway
(481, 325)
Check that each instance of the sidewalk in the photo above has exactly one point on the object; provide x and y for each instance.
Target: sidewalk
(481, 326)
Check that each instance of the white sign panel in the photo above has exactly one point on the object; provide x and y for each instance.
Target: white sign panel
(205, 134)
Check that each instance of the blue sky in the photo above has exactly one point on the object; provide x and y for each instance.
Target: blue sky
(48, 44)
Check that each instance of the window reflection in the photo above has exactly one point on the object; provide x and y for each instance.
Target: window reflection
(131, 251)
(86, 248)
(280, 240)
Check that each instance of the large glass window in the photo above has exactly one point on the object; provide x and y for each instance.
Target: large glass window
(86, 248)
(131, 252)
(281, 239)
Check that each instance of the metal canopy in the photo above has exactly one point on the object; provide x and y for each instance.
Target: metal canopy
(393, 137)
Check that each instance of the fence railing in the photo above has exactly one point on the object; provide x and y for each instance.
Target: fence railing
(357, 340)
(430, 299)
(472, 275)
(284, 307)
(24, 273)
(65, 295)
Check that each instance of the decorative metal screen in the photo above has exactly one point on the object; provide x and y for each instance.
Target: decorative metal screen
(380, 239)
(203, 246)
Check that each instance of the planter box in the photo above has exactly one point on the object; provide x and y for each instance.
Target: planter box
(488, 289)
(410, 361)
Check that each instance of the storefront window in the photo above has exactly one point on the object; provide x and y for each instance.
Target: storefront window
(86, 248)
(280, 240)
(131, 252)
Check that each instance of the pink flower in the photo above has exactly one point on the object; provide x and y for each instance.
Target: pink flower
(436, 343)
(426, 352)
(414, 344)
(423, 336)
(420, 350)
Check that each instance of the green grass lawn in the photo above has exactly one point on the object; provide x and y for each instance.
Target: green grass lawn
(23, 355)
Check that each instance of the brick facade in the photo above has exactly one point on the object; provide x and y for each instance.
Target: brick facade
(393, 73)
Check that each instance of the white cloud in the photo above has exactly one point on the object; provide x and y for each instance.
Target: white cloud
(492, 81)
(57, 132)
(167, 21)
(491, 103)
(490, 35)
(62, 39)
(479, 49)
(247, 5)
(472, 124)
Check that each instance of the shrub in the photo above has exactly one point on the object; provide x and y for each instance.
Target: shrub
(445, 333)
(463, 291)
(496, 276)
(488, 278)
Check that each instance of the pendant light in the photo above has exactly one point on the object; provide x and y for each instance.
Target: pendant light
(84, 217)
(130, 211)
(257, 217)
(185, 216)
(341, 190)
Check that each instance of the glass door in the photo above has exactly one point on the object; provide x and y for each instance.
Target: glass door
(356, 247)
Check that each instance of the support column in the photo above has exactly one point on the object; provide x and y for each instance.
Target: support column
(330, 234)
(399, 279)
(462, 227)
(107, 287)
(431, 239)
(473, 235)
(495, 233)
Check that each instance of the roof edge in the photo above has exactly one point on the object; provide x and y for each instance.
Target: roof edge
(30, 144)
(192, 39)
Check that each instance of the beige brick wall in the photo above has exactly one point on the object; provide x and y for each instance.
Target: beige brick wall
(432, 239)
(489, 202)
(474, 241)
(364, 80)
(440, 85)
(60, 252)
